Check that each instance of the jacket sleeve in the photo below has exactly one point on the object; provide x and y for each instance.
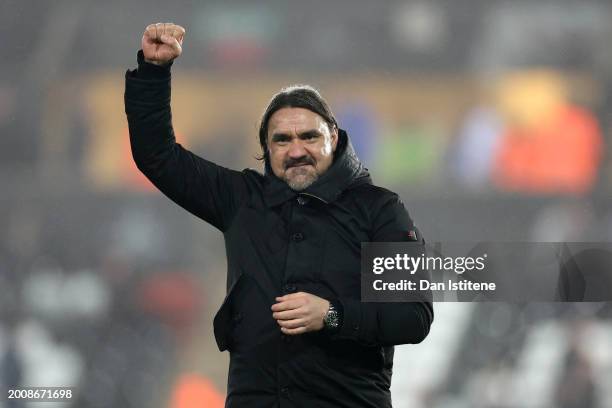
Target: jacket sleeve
(205, 189)
(392, 323)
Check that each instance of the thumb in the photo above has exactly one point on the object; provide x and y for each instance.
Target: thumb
(172, 42)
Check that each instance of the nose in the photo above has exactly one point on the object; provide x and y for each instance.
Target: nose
(296, 149)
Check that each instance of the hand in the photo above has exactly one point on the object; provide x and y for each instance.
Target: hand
(161, 42)
(300, 312)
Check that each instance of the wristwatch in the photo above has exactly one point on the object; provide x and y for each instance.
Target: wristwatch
(333, 317)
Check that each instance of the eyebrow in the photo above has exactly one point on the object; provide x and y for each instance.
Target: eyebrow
(277, 137)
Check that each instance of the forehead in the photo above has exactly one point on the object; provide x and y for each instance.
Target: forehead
(289, 120)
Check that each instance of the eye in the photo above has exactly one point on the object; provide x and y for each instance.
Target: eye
(310, 136)
(280, 140)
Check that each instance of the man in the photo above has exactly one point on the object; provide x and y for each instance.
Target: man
(292, 319)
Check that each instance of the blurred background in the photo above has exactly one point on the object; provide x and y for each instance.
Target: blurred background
(491, 118)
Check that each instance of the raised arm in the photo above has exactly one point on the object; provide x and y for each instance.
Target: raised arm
(207, 190)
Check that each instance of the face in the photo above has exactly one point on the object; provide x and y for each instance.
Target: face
(301, 146)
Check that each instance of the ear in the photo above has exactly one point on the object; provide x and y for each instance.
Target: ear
(334, 138)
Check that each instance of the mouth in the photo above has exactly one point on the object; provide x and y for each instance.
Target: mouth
(298, 165)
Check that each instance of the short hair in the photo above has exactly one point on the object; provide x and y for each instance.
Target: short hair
(294, 96)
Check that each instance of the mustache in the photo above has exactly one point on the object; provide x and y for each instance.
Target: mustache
(299, 161)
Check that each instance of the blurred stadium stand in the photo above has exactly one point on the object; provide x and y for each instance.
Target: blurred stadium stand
(491, 118)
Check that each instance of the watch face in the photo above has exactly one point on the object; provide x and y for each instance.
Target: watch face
(331, 318)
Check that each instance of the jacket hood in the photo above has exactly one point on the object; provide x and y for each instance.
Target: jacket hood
(346, 171)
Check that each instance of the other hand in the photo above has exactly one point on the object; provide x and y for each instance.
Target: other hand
(300, 312)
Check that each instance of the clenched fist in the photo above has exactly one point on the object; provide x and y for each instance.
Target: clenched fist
(161, 42)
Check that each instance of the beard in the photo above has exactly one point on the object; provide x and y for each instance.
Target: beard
(300, 178)
(300, 173)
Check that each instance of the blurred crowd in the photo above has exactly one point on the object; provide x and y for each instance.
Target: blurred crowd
(490, 118)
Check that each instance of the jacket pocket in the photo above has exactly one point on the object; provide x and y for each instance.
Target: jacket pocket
(224, 319)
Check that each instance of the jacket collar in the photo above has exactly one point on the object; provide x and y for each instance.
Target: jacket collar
(346, 171)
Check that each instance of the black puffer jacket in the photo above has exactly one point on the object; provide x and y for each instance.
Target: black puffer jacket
(279, 241)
